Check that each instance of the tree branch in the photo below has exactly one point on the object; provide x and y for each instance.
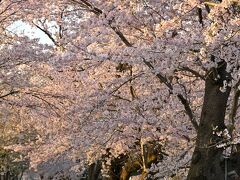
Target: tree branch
(200, 17)
(195, 73)
(188, 110)
(183, 100)
(8, 94)
(162, 79)
(47, 33)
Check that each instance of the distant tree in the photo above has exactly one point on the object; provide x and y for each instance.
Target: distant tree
(136, 71)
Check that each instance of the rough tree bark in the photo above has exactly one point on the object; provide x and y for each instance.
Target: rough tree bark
(206, 158)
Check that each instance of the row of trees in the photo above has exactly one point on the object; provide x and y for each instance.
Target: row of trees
(118, 76)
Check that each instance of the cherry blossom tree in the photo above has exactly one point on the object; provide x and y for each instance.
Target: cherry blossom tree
(136, 71)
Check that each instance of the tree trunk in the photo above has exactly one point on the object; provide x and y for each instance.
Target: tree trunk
(206, 158)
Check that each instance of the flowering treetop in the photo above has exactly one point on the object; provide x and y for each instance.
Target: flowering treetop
(127, 65)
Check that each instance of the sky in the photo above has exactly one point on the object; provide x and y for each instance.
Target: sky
(20, 27)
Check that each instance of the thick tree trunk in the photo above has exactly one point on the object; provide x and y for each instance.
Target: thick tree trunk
(206, 158)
